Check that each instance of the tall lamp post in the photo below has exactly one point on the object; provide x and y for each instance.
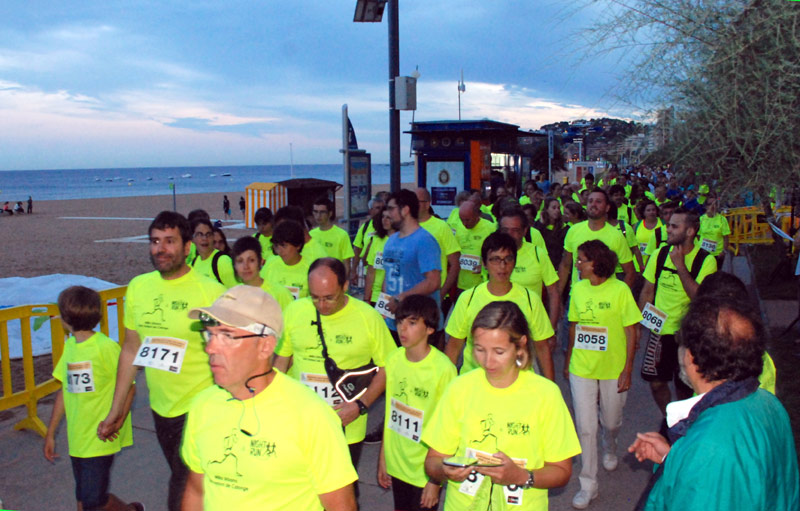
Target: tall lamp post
(371, 11)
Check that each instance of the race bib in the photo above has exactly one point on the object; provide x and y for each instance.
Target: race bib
(709, 246)
(469, 262)
(80, 377)
(512, 494)
(378, 265)
(642, 247)
(593, 338)
(653, 318)
(295, 291)
(162, 353)
(320, 384)
(471, 484)
(406, 420)
(382, 306)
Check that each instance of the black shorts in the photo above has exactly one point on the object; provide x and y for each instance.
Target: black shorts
(660, 361)
(407, 496)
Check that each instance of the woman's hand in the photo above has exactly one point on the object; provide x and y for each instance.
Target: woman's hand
(506, 474)
(457, 474)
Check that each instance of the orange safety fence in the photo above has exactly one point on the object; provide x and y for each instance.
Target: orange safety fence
(32, 392)
(746, 229)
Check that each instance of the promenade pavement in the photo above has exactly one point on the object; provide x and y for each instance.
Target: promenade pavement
(31, 483)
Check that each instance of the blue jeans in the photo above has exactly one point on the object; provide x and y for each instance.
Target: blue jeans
(92, 477)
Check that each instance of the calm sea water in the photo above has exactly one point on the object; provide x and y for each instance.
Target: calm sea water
(99, 183)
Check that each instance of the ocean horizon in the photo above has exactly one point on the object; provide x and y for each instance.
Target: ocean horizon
(17, 185)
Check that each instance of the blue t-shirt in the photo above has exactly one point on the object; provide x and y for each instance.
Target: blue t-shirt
(407, 260)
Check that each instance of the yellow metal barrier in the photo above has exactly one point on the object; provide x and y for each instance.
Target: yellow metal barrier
(747, 230)
(32, 392)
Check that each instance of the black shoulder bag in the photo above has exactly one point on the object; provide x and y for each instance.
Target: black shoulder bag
(349, 383)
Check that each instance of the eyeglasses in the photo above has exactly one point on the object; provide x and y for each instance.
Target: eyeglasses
(203, 235)
(498, 260)
(224, 337)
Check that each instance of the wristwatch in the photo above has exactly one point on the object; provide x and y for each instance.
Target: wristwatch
(529, 483)
(362, 408)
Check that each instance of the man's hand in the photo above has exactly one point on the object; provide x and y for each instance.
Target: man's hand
(348, 412)
(678, 257)
(650, 446)
(50, 448)
(108, 429)
(506, 474)
(430, 495)
(393, 303)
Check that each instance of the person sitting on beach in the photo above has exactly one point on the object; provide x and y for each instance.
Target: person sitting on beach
(87, 372)
(18, 208)
(209, 261)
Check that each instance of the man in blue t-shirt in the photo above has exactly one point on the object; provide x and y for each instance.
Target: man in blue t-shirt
(411, 257)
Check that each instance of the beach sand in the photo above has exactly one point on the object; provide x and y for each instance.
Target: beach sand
(93, 244)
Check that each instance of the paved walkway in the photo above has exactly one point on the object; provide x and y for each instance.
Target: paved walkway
(31, 483)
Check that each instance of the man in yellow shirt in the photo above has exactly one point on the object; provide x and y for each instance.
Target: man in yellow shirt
(444, 237)
(159, 336)
(471, 230)
(259, 439)
(333, 238)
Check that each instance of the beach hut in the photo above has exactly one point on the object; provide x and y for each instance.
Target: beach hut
(258, 195)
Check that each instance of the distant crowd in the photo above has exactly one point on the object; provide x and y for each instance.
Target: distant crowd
(17, 208)
(262, 366)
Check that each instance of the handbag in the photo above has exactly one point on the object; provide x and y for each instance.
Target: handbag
(351, 384)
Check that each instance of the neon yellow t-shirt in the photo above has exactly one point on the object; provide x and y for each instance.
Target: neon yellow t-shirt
(159, 307)
(88, 374)
(266, 245)
(630, 239)
(533, 268)
(354, 336)
(453, 219)
(294, 278)
(486, 209)
(471, 241)
(768, 376)
(444, 237)
(608, 234)
(627, 213)
(335, 241)
(363, 234)
(412, 390)
(375, 259)
(470, 303)
(670, 295)
(312, 251)
(643, 235)
(537, 240)
(473, 414)
(610, 305)
(713, 231)
(296, 451)
(224, 268)
(652, 245)
(278, 292)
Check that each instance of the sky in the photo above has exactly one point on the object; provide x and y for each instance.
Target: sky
(105, 84)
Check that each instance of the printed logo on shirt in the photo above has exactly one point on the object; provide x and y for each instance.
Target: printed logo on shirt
(343, 339)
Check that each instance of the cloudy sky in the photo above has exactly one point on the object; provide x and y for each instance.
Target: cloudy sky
(152, 83)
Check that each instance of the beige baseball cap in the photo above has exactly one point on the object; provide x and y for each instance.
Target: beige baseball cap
(246, 307)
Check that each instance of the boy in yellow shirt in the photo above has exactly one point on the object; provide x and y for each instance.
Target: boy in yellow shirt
(87, 372)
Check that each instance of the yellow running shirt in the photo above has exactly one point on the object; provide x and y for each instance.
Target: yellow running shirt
(296, 451)
(375, 259)
(533, 268)
(224, 268)
(278, 292)
(365, 230)
(609, 305)
(712, 233)
(444, 236)
(412, 391)
(670, 295)
(294, 278)
(643, 236)
(87, 372)
(158, 307)
(537, 240)
(471, 241)
(266, 245)
(335, 241)
(608, 234)
(470, 303)
(354, 336)
(474, 415)
(313, 250)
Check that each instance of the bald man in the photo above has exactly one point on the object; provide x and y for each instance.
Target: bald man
(470, 233)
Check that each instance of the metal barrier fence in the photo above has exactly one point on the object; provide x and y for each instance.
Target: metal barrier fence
(32, 392)
(747, 230)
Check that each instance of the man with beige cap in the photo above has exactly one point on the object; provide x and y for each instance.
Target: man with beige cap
(258, 438)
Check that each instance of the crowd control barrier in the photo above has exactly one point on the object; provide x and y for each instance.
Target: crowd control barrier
(746, 229)
(32, 392)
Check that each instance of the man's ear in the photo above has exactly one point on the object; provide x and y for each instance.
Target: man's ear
(266, 347)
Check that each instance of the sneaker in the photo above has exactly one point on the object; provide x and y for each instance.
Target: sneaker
(610, 461)
(582, 498)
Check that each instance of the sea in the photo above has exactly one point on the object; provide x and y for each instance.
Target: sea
(17, 185)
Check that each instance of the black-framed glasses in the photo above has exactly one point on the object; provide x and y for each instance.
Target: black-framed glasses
(203, 235)
(498, 260)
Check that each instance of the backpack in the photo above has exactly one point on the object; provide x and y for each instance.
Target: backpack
(697, 264)
(214, 265)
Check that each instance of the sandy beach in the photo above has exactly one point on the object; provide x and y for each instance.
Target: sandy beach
(102, 238)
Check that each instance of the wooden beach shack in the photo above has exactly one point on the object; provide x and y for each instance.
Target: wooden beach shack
(258, 195)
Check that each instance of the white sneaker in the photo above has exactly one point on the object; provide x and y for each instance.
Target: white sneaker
(610, 461)
(582, 498)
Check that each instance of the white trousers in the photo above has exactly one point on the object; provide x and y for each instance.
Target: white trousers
(586, 393)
